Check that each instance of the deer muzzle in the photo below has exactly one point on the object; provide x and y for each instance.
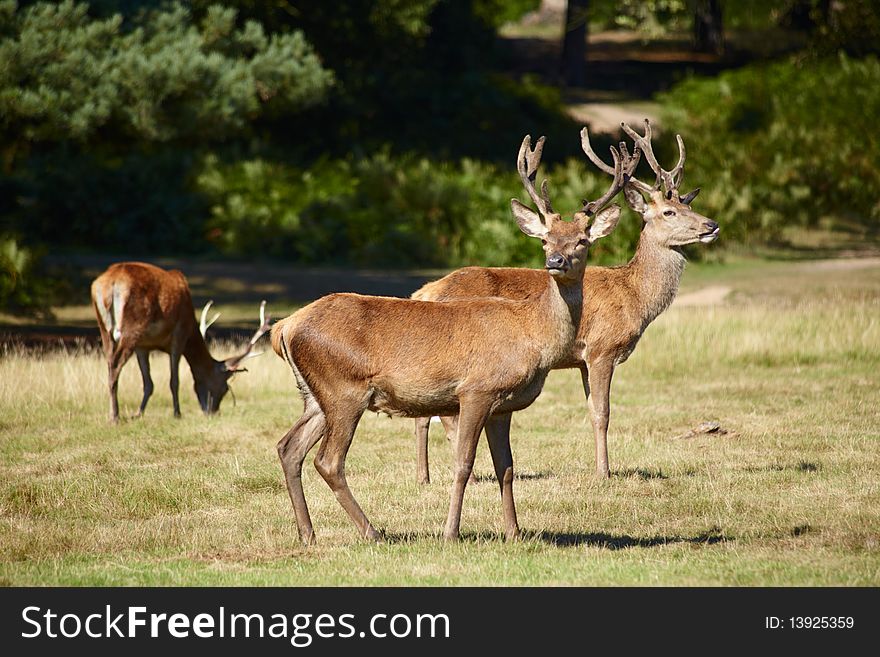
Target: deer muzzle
(557, 264)
(711, 234)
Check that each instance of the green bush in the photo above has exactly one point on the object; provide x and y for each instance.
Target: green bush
(135, 204)
(157, 78)
(781, 144)
(21, 290)
(388, 211)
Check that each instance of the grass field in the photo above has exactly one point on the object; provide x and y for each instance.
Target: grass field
(788, 363)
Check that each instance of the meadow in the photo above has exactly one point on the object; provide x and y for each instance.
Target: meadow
(786, 360)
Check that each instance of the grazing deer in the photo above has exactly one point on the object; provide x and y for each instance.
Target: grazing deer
(618, 302)
(481, 359)
(141, 308)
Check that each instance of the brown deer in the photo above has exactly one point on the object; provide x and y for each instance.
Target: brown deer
(141, 308)
(481, 359)
(618, 302)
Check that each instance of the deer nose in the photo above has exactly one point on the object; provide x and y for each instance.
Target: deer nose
(555, 261)
(712, 226)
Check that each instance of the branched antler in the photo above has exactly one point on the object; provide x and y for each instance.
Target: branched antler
(527, 164)
(265, 325)
(203, 324)
(669, 179)
(623, 169)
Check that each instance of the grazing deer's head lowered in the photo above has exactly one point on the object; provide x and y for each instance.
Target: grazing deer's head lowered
(141, 308)
(214, 384)
(669, 219)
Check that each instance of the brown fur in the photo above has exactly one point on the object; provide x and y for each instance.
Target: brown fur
(480, 358)
(618, 304)
(141, 308)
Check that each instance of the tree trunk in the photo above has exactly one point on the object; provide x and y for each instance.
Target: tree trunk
(709, 27)
(574, 44)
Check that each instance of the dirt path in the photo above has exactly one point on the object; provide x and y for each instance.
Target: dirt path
(842, 264)
(607, 116)
(711, 295)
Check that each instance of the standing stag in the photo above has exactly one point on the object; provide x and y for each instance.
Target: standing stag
(618, 302)
(141, 308)
(481, 359)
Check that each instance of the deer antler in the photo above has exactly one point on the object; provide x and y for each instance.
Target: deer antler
(205, 325)
(670, 179)
(623, 169)
(265, 325)
(527, 164)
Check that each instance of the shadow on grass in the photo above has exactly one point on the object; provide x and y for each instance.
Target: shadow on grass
(645, 474)
(802, 466)
(517, 476)
(622, 542)
(711, 536)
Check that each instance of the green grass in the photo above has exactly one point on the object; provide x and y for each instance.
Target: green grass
(791, 496)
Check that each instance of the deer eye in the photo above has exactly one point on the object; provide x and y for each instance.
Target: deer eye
(669, 213)
(583, 241)
(544, 242)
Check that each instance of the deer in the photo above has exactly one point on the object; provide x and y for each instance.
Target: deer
(480, 359)
(618, 302)
(142, 308)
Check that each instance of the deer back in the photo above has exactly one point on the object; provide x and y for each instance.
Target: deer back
(417, 356)
(143, 304)
(507, 282)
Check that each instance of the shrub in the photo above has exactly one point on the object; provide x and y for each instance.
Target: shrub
(783, 143)
(134, 204)
(21, 290)
(388, 211)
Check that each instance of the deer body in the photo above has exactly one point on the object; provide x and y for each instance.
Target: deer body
(618, 302)
(350, 353)
(406, 357)
(480, 359)
(142, 308)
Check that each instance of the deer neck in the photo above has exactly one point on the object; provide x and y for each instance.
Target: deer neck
(655, 275)
(199, 358)
(563, 303)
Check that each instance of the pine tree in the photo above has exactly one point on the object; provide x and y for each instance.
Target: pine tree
(68, 76)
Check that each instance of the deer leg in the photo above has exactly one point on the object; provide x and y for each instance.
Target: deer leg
(450, 426)
(421, 430)
(599, 382)
(292, 450)
(116, 362)
(143, 357)
(601, 447)
(175, 381)
(330, 464)
(471, 418)
(108, 346)
(498, 437)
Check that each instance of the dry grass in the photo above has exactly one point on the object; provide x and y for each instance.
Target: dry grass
(788, 364)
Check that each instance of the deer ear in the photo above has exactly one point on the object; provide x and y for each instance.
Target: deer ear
(528, 220)
(688, 198)
(605, 222)
(634, 199)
